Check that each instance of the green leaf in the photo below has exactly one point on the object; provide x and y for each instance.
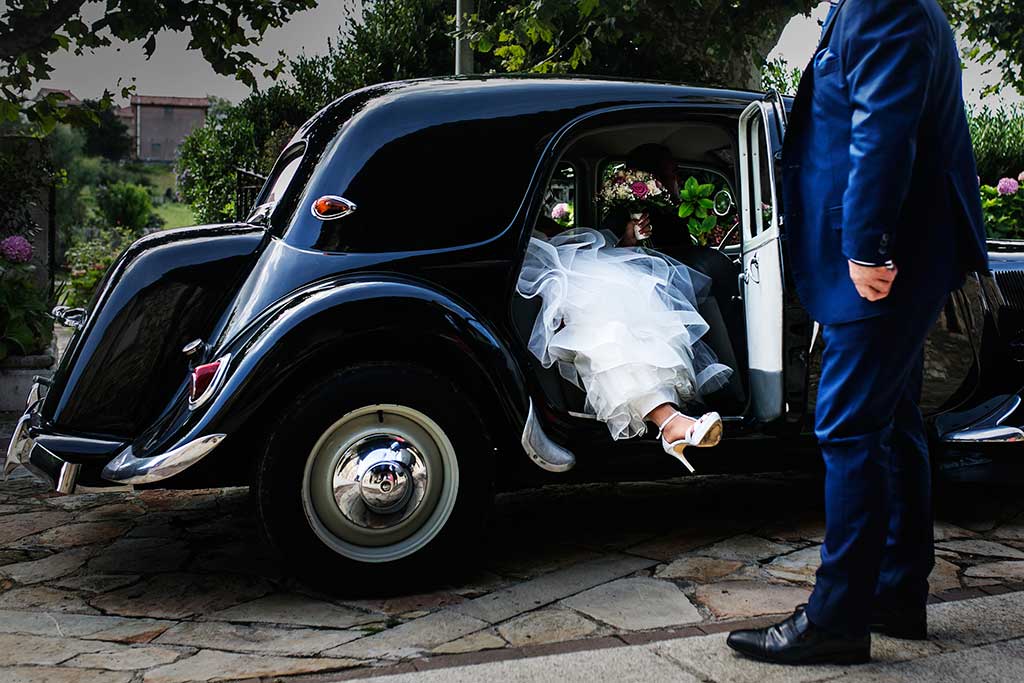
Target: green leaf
(587, 7)
(709, 223)
(707, 203)
(691, 186)
(685, 210)
(701, 212)
(705, 190)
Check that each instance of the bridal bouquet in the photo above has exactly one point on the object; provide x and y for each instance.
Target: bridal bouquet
(636, 191)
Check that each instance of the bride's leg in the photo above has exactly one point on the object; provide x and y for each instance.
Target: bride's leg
(674, 430)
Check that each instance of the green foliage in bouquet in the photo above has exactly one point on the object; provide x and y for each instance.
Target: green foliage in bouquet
(695, 203)
(89, 260)
(25, 326)
(1003, 206)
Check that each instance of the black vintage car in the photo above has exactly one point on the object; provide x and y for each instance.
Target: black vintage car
(356, 352)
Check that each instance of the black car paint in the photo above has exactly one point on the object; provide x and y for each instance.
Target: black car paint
(288, 306)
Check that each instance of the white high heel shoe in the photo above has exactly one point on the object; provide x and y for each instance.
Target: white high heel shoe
(705, 432)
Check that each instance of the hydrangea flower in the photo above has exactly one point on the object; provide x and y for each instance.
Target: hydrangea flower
(1020, 178)
(1007, 186)
(16, 249)
(560, 211)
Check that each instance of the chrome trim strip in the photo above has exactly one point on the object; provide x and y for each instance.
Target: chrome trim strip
(990, 429)
(127, 469)
(544, 452)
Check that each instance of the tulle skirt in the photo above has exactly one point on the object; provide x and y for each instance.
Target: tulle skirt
(621, 324)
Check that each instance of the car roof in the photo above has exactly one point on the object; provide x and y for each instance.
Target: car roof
(455, 98)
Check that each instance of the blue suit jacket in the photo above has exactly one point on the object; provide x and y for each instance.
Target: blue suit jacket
(877, 161)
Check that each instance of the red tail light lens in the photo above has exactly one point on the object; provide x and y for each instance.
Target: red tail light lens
(202, 381)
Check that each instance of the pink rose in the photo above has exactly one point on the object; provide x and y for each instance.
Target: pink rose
(639, 189)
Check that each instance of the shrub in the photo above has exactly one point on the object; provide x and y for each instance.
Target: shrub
(998, 137)
(128, 206)
(89, 260)
(1004, 208)
(25, 327)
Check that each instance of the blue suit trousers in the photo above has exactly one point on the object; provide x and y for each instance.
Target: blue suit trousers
(878, 547)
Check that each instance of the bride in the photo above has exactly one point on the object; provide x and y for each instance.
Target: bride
(621, 323)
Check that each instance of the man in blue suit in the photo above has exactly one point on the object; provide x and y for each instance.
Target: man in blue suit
(882, 221)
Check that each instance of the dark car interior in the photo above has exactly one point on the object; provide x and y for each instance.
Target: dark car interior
(703, 149)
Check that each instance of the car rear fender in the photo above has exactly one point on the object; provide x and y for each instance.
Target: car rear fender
(335, 323)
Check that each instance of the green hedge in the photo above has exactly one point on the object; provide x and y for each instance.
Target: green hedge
(998, 136)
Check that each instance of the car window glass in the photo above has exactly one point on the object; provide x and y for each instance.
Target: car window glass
(759, 192)
(278, 183)
(560, 198)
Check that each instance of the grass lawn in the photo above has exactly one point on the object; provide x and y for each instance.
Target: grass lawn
(175, 214)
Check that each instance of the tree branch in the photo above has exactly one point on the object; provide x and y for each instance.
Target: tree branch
(27, 33)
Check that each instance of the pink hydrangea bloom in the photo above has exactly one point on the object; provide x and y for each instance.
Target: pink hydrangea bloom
(639, 189)
(1020, 178)
(560, 211)
(1007, 186)
(16, 249)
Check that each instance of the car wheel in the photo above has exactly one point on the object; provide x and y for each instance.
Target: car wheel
(379, 470)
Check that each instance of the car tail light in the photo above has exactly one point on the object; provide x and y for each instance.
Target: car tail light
(204, 380)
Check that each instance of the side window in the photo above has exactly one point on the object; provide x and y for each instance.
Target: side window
(757, 197)
(560, 200)
(277, 184)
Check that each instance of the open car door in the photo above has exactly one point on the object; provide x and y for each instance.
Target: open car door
(762, 281)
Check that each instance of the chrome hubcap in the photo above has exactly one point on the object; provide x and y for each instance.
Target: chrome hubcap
(378, 477)
(380, 483)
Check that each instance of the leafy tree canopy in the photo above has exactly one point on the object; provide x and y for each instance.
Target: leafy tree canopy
(395, 39)
(716, 42)
(33, 31)
(108, 137)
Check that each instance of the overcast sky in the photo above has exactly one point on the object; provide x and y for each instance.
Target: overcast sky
(174, 70)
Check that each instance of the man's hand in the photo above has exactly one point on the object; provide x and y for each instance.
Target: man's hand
(872, 282)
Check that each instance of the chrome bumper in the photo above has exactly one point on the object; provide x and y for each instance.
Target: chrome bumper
(23, 450)
(991, 429)
(128, 469)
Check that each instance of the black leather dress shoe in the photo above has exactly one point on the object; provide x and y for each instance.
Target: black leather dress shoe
(908, 624)
(797, 641)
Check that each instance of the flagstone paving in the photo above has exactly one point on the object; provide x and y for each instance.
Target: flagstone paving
(168, 587)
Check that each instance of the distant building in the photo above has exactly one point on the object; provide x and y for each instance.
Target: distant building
(158, 125)
(69, 97)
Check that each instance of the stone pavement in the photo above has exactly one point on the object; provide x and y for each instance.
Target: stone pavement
(971, 640)
(166, 587)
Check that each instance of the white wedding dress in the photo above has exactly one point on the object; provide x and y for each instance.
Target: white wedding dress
(621, 323)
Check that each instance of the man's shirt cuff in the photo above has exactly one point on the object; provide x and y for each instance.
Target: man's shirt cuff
(887, 264)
